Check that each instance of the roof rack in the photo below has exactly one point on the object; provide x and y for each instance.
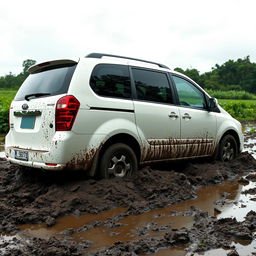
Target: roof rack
(100, 55)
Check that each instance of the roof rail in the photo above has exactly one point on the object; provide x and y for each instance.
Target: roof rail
(100, 55)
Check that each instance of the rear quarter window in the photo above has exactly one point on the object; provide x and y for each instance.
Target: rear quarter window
(52, 82)
(111, 80)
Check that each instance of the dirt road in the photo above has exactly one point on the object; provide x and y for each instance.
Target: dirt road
(101, 215)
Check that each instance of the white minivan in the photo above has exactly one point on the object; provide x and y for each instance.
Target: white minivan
(107, 114)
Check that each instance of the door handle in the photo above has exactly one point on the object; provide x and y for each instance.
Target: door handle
(173, 115)
(186, 115)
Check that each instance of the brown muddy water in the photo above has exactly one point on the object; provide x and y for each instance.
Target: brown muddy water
(156, 222)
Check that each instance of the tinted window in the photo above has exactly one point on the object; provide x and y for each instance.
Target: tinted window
(53, 82)
(152, 86)
(111, 81)
(189, 95)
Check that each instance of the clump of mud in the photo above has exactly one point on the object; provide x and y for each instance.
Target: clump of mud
(42, 247)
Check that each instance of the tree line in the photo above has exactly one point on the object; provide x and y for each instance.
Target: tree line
(14, 81)
(232, 75)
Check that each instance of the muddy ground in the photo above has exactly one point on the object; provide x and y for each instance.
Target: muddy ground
(30, 197)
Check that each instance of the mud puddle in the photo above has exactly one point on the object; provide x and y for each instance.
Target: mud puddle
(228, 199)
(236, 201)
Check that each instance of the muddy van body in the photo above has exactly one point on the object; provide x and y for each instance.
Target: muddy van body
(108, 114)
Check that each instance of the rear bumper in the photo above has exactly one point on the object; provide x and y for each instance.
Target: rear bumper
(36, 164)
(66, 151)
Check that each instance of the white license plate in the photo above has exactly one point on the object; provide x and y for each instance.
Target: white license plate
(21, 155)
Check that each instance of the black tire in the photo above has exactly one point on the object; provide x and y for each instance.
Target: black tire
(227, 149)
(118, 160)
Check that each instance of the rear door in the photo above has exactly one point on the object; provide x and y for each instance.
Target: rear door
(157, 118)
(198, 125)
(32, 113)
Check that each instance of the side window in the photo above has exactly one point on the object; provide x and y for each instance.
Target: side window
(111, 81)
(152, 86)
(189, 95)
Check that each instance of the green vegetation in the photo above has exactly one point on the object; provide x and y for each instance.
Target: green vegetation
(9, 84)
(6, 97)
(234, 95)
(12, 81)
(252, 130)
(232, 75)
(243, 110)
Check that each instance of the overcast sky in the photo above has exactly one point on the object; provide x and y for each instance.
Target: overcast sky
(181, 33)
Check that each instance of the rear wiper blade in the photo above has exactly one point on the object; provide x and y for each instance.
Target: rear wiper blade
(35, 95)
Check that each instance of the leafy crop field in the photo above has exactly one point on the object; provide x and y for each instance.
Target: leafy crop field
(243, 110)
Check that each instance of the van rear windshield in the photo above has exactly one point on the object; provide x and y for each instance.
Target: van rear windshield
(50, 82)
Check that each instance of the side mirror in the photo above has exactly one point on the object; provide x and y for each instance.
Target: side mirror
(213, 104)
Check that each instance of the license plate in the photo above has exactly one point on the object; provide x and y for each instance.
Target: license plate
(21, 155)
(28, 122)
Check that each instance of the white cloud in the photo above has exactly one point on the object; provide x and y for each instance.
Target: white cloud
(183, 33)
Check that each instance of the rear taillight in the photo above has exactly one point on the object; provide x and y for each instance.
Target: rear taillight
(66, 111)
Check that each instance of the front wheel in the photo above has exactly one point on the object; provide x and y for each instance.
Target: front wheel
(119, 160)
(228, 149)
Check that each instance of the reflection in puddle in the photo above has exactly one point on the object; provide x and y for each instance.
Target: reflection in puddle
(241, 249)
(2, 155)
(241, 206)
(7, 242)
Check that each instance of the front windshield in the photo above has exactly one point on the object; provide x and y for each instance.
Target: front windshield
(51, 82)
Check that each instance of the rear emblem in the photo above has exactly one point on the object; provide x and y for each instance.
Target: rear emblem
(24, 106)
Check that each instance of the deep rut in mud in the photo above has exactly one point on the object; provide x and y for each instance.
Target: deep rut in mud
(102, 216)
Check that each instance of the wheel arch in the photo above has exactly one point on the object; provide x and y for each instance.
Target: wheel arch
(122, 138)
(228, 132)
(234, 134)
(117, 138)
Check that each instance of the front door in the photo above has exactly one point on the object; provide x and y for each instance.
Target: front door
(198, 125)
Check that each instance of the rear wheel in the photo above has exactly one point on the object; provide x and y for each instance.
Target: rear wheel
(119, 160)
(227, 149)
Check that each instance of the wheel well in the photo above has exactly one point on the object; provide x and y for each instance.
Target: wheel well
(122, 138)
(234, 134)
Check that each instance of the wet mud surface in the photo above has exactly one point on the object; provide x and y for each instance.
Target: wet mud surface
(186, 208)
